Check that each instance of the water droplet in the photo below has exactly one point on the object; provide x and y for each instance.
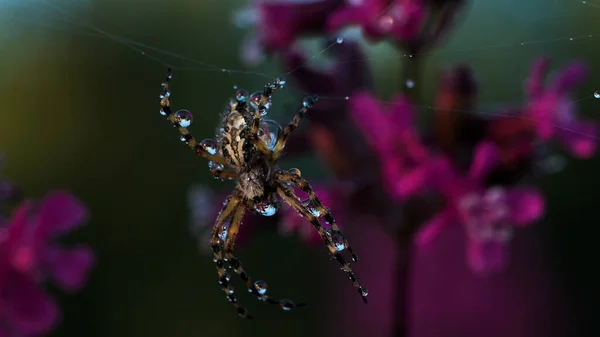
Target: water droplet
(241, 95)
(597, 94)
(338, 240)
(162, 112)
(280, 82)
(213, 166)
(309, 101)
(286, 304)
(261, 287)
(570, 39)
(184, 118)
(223, 233)
(410, 83)
(295, 171)
(266, 208)
(347, 98)
(235, 87)
(269, 131)
(209, 145)
(339, 40)
(182, 138)
(311, 207)
(165, 92)
(364, 291)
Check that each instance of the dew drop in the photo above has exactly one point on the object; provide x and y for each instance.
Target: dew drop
(410, 83)
(182, 138)
(364, 292)
(209, 145)
(339, 40)
(255, 99)
(280, 82)
(269, 131)
(165, 92)
(162, 112)
(338, 240)
(213, 166)
(347, 98)
(597, 94)
(309, 101)
(266, 208)
(223, 233)
(310, 206)
(235, 87)
(241, 95)
(286, 304)
(261, 287)
(184, 118)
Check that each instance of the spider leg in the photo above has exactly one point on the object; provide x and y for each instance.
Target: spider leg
(283, 137)
(257, 288)
(223, 174)
(334, 239)
(261, 109)
(314, 203)
(193, 144)
(231, 209)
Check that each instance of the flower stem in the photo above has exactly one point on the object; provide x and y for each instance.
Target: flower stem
(402, 288)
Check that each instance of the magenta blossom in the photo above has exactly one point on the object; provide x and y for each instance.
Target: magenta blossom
(276, 24)
(401, 20)
(391, 133)
(488, 215)
(291, 222)
(553, 110)
(29, 256)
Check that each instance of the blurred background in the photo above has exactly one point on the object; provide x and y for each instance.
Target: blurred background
(81, 112)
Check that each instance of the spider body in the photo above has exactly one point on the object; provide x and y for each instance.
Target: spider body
(247, 148)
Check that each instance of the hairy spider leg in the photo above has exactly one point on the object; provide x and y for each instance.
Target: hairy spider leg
(231, 209)
(165, 109)
(236, 264)
(321, 211)
(288, 195)
(223, 174)
(307, 103)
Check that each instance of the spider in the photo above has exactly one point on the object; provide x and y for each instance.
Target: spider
(247, 148)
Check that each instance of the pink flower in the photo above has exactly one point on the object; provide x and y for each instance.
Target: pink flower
(291, 222)
(553, 111)
(399, 19)
(276, 24)
(391, 134)
(28, 256)
(488, 215)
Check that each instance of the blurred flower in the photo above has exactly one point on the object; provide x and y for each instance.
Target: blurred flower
(553, 111)
(392, 135)
(488, 215)
(401, 20)
(28, 256)
(291, 222)
(276, 24)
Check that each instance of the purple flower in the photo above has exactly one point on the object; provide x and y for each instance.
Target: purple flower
(488, 215)
(29, 256)
(399, 19)
(291, 222)
(276, 24)
(391, 134)
(553, 111)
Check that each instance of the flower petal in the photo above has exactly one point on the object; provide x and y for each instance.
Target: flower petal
(373, 120)
(580, 138)
(60, 212)
(486, 158)
(573, 74)
(27, 307)
(526, 205)
(430, 230)
(535, 82)
(69, 268)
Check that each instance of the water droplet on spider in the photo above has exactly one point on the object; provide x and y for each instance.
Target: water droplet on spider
(339, 40)
(184, 118)
(182, 138)
(410, 83)
(162, 112)
(269, 131)
(213, 166)
(266, 208)
(209, 145)
(338, 241)
(280, 82)
(597, 94)
(255, 100)
(310, 206)
(261, 287)
(286, 304)
(223, 233)
(309, 101)
(364, 292)
(241, 95)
